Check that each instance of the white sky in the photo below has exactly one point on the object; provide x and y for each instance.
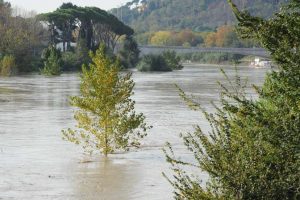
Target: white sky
(41, 6)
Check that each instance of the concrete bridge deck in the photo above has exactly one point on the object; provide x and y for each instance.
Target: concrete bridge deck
(182, 50)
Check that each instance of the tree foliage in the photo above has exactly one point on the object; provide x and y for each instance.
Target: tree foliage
(224, 36)
(172, 38)
(52, 61)
(129, 53)
(153, 62)
(172, 60)
(106, 119)
(252, 150)
(8, 66)
(90, 24)
(167, 61)
(197, 15)
(21, 37)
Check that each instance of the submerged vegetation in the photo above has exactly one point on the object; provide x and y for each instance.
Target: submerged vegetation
(166, 62)
(129, 53)
(153, 62)
(252, 150)
(106, 118)
(52, 61)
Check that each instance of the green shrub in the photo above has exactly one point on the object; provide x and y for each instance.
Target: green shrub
(129, 53)
(71, 61)
(82, 53)
(52, 61)
(172, 60)
(8, 66)
(153, 63)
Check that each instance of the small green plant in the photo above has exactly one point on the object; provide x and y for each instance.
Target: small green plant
(106, 117)
(52, 61)
(153, 63)
(8, 66)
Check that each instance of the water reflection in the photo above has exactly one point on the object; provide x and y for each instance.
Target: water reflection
(36, 164)
(94, 180)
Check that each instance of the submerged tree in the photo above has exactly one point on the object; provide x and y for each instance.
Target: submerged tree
(253, 148)
(106, 117)
(52, 61)
(129, 53)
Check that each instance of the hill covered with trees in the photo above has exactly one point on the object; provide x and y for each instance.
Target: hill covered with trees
(196, 15)
(202, 23)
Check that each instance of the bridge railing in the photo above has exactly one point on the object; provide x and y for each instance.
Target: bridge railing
(145, 49)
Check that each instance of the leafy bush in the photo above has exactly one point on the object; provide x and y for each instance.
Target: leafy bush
(153, 63)
(167, 61)
(8, 66)
(172, 60)
(52, 61)
(71, 62)
(129, 53)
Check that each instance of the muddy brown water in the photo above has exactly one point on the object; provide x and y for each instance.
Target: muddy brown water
(35, 163)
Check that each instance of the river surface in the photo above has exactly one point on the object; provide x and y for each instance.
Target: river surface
(36, 164)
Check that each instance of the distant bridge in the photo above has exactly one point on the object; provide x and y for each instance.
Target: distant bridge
(182, 50)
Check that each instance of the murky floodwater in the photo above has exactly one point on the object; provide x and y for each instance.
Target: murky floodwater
(35, 163)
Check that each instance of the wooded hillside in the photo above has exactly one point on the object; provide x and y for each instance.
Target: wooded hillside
(197, 15)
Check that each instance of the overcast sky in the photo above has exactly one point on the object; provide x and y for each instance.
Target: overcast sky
(50, 5)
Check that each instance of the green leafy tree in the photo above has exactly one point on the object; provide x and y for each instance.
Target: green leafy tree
(90, 24)
(21, 37)
(8, 66)
(153, 62)
(161, 38)
(52, 61)
(172, 60)
(197, 15)
(106, 117)
(129, 53)
(252, 150)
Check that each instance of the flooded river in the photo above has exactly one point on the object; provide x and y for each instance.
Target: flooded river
(36, 164)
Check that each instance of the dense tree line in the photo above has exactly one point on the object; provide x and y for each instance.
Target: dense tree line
(224, 36)
(73, 29)
(71, 23)
(21, 38)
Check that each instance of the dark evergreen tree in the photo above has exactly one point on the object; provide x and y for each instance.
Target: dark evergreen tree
(129, 53)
